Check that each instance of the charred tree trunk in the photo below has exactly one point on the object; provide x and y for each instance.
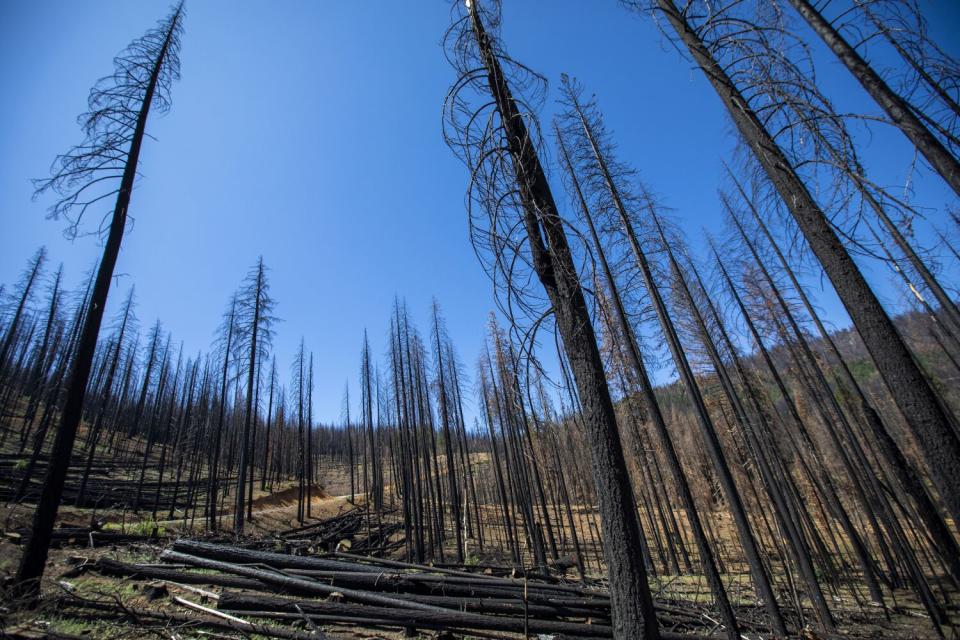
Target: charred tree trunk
(654, 413)
(906, 382)
(35, 553)
(631, 603)
(896, 108)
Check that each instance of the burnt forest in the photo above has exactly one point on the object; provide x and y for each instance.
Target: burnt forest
(607, 404)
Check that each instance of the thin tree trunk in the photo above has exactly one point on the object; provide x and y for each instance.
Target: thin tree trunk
(35, 553)
(896, 108)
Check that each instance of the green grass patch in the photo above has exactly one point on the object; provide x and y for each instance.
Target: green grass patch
(137, 527)
(71, 626)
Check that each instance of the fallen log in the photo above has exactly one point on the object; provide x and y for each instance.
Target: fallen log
(508, 571)
(109, 567)
(353, 513)
(299, 584)
(510, 605)
(422, 584)
(85, 537)
(377, 537)
(139, 613)
(49, 634)
(228, 553)
(332, 612)
(442, 619)
(452, 572)
(431, 584)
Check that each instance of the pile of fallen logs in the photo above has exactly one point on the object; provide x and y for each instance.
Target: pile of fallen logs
(354, 530)
(325, 534)
(270, 590)
(376, 541)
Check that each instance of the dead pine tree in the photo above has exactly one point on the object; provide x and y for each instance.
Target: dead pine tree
(127, 317)
(309, 435)
(117, 120)
(269, 423)
(928, 79)
(445, 417)
(897, 109)
(875, 425)
(757, 431)
(26, 289)
(631, 348)
(348, 432)
(908, 386)
(37, 372)
(255, 320)
(372, 455)
(507, 175)
(228, 330)
(620, 208)
(299, 382)
(54, 398)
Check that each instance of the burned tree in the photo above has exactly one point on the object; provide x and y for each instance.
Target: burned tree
(255, 320)
(119, 348)
(26, 289)
(115, 128)
(897, 109)
(374, 477)
(443, 398)
(228, 331)
(510, 185)
(577, 161)
(712, 37)
(620, 200)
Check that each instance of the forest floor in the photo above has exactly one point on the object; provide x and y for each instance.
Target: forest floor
(276, 511)
(47, 621)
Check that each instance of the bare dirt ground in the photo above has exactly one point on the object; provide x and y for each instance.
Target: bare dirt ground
(277, 511)
(271, 513)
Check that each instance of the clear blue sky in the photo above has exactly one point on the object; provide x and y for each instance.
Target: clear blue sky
(309, 132)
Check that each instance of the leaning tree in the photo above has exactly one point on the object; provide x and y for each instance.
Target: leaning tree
(115, 127)
(725, 43)
(585, 160)
(898, 110)
(26, 288)
(517, 226)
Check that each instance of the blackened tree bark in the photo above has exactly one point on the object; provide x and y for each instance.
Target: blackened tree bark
(375, 494)
(213, 466)
(266, 437)
(908, 386)
(309, 434)
(256, 306)
(620, 213)
(652, 404)
(876, 426)
(149, 63)
(300, 380)
(104, 405)
(631, 603)
(30, 278)
(756, 430)
(896, 108)
(447, 437)
(38, 372)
